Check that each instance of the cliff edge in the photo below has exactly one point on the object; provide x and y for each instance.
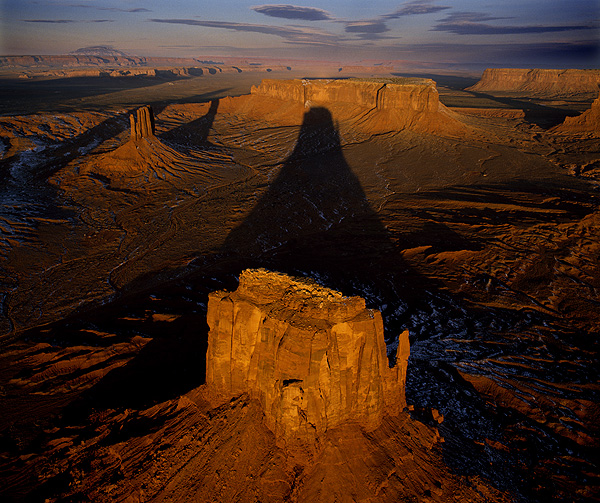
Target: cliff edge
(370, 106)
(539, 82)
(587, 122)
(312, 357)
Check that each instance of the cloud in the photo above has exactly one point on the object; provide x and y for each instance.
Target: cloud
(293, 12)
(414, 8)
(66, 21)
(112, 9)
(366, 27)
(294, 34)
(472, 23)
(56, 21)
(372, 29)
(116, 9)
(369, 30)
(95, 7)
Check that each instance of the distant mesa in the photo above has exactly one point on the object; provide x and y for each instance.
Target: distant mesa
(539, 82)
(98, 50)
(372, 69)
(313, 358)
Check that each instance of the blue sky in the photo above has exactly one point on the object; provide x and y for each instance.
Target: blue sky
(542, 33)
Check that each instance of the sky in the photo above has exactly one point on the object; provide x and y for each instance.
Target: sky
(517, 33)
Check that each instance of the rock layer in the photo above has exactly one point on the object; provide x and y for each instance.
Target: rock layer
(422, 96)
(539, 82)
(313, 358)
(367, 106)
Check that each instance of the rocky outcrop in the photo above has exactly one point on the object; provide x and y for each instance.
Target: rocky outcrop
(312, 357)
(366, 106)
(546, 83)
(422, 96)
(143, 127)
(587, 122)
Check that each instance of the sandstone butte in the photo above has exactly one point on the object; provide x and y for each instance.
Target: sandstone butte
(587, 122)
(539, 81)
(143, 127)
(368, 105)
(312, 357)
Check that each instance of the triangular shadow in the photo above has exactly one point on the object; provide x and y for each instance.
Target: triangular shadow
(195, 132)
(316, 220)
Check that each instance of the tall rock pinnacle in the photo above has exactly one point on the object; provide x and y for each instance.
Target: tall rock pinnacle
(312, 357)
(143, 127)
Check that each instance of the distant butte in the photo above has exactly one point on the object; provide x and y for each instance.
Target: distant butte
(539, 82)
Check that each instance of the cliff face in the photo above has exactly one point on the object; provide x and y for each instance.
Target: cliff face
(143, 127)
(372, 95)
(313, 358)
(370, 106)
(540, 82)
(587, 122)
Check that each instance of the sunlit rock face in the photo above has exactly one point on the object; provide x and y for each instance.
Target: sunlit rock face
(143, 127)
(312, 357)
(539, 81)
(422, 96)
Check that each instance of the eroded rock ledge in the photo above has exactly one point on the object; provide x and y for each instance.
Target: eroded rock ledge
(381, 95)
(312, 357)
(587, 122)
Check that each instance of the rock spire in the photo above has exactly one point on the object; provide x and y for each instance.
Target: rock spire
(143, 127)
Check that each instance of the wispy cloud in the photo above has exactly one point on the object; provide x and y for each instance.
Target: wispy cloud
(366, 27)
(67, 21)
(414, 8)
(54, 21)
(372, 29)
(474, 23)
(95, 7)
(295, 34)
(293, 12)
(115, 9)
(368, 30)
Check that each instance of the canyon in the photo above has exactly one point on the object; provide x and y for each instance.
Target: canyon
(243, 289)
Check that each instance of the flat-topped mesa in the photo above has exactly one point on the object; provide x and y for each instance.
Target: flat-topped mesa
(542, 82)
(143, 127)
(313, 357)
(380, 94)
